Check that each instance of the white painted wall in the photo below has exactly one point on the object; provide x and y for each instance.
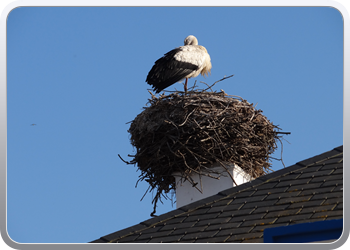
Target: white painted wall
(186, 194)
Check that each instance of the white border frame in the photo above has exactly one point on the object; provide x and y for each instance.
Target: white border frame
(223, 3)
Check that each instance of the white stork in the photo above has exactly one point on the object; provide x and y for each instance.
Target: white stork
(183, 62)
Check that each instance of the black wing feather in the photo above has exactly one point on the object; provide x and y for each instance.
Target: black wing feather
(167, 71)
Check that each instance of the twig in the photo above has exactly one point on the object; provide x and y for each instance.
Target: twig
(223, 165)
(209, 87)
(127, 162)
(226, 77)
(285, 133)
(187, 117)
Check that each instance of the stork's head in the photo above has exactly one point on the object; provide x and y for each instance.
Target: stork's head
(191, 40)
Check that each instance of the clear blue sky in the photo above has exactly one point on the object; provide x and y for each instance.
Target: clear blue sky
(79, 74)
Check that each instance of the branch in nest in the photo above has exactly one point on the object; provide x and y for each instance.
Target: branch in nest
(191, 89)
(127, 162)
(285, 133)
(226, 77)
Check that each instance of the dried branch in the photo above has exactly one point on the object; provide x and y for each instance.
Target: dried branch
(226, 77)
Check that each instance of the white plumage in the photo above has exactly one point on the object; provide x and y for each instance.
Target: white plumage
(183, 62)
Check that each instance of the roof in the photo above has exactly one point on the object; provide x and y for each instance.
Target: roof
(309, 191)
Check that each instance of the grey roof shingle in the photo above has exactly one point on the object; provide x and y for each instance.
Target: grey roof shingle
(308, 191)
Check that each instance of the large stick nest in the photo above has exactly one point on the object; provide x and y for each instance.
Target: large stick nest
(189, 132)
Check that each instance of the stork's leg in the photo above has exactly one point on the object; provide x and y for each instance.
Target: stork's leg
(185, 87)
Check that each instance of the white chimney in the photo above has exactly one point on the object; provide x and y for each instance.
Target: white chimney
(186, 193)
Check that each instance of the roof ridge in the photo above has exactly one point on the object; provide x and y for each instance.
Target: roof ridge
(322, 157)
